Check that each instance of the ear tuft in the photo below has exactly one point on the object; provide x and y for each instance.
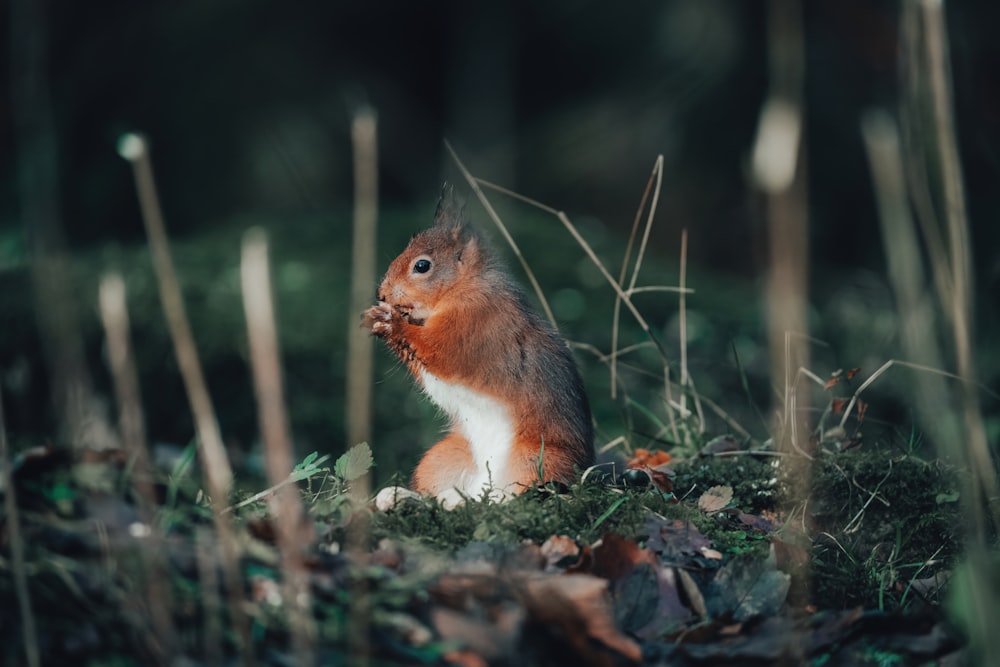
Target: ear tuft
(450, 208)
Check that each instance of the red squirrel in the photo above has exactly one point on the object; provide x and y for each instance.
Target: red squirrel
(448, 308)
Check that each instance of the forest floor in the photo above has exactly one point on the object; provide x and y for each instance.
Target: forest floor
(701, 561)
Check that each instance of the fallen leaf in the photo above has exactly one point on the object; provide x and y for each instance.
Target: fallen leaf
(485, 629)
(645, 457)
(561, 552)
(748, 588)
(662, 478)
(755, 522)
(676, 541)
(720, 445)
(645, 593)
(715, 499)
(577, 609)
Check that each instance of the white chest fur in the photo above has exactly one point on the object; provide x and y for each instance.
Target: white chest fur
(485, 423)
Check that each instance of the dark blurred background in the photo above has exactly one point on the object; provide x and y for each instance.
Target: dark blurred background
(247, 105)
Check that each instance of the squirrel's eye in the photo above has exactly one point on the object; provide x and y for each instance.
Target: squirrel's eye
(422, 266)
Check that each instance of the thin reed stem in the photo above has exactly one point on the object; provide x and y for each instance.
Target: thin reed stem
(285, 503)
(360, 361)
(211, 451)
(682, 316)
(115, 319)
(986, 486)
(360, 357)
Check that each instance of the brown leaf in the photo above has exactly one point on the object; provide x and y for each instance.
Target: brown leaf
(487, 633)
(645, 593)
(615, 557)
(577, 608)
(676, 541)
(721, 444)
(837, 405)
(647, 457)
(662, 478)
(561, 552)
(715, 499)
(851, 373)
(755, 522)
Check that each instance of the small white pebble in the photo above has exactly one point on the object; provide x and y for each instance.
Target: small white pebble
(139, 529)
(391, 496)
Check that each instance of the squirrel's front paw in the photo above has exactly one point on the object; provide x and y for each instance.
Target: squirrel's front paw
(378, 319)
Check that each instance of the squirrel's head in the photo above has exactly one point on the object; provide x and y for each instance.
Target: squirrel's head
(437, 262)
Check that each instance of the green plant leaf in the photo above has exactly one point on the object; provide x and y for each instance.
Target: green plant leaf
(943, 498)
(307, 462)
(355, 463)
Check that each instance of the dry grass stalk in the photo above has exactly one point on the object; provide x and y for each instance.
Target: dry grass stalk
(285, 503)
(904, 260)
(364, 142)
(29, 635)
(682, 314)
(363, 276)
(211, 451)
(474, 183)
(779, 172)
(959, 256)
(926, 59)
(114, 317)
(654, 176)
(615, 285)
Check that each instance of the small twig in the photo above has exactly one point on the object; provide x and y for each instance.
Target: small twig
(611, 444)
(837, 542)
(659, 288)
(857, 517)
(913, 578)
(919, 367)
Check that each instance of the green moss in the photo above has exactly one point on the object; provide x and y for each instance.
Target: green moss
(585, 513)
(753, 479)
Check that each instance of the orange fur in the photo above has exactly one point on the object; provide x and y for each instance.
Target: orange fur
(442, 464)
(465, 321)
